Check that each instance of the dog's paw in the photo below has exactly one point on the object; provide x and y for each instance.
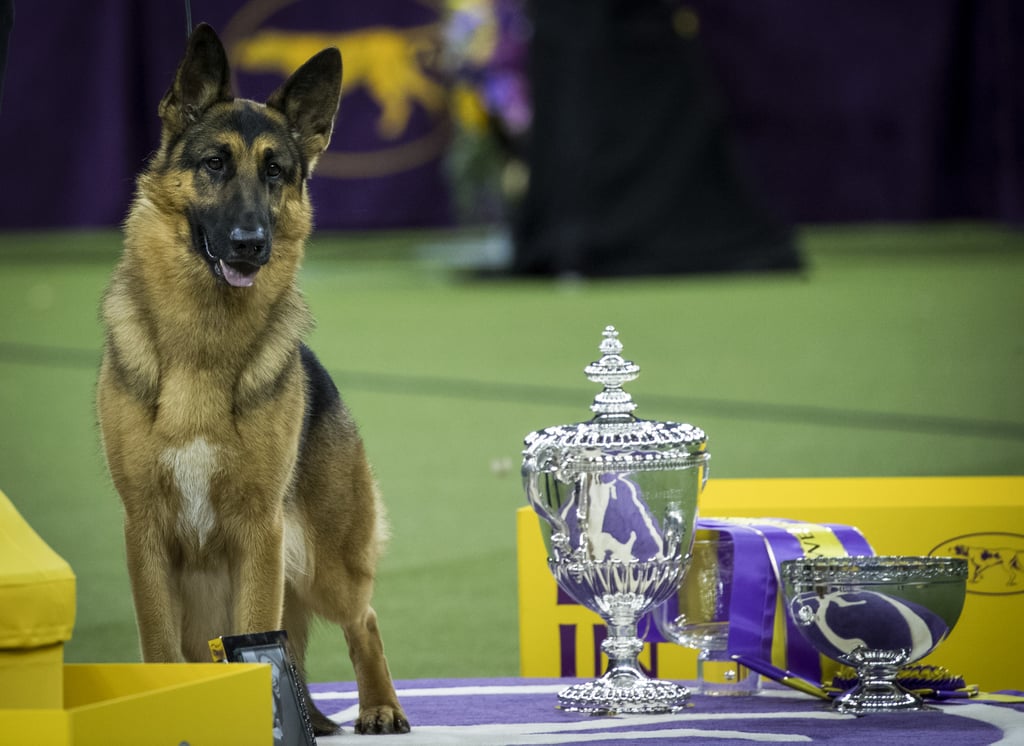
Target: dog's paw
(383, 719)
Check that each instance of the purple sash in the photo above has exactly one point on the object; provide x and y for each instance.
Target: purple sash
(759, 546)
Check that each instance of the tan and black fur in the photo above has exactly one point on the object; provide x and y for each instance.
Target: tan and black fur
(248, 502)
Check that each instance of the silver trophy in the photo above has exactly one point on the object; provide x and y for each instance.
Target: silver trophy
(617, 498)
(876, 614)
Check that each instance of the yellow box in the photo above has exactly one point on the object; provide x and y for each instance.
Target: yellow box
(32, 677)
(137, 704)
(980, 518)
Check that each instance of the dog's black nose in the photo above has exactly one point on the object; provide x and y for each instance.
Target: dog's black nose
(248, 244)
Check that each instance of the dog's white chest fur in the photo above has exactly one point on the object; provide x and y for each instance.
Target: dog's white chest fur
(193, 467)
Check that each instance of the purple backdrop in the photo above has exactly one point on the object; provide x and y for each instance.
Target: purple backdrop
(872, 110)
(842, 111)
(84, 80)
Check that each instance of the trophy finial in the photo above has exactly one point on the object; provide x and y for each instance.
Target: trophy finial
(611, 371)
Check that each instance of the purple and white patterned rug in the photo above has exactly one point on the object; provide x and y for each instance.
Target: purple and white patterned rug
(502, 712)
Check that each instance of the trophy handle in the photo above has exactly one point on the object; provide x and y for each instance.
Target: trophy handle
(543, 465)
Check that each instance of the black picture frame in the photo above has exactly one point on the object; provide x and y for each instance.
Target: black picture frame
(291, 718)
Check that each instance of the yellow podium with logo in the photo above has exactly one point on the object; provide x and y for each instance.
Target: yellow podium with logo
(978, 518)
(43, 701)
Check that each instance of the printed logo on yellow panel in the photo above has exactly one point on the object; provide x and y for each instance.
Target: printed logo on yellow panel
(995, 561)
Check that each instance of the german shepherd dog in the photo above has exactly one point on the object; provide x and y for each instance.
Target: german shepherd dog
(248, 501)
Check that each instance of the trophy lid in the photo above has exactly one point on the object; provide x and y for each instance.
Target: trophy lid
(615, 439)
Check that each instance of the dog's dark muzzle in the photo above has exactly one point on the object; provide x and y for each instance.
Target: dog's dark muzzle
(237, 260)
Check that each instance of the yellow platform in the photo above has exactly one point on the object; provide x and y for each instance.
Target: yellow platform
(137, 704)
(980, 518)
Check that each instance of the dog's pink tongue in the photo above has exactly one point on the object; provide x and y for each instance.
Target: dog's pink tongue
(234, 277)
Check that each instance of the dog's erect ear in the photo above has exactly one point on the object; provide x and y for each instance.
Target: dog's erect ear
(309, 100)
(203, 79)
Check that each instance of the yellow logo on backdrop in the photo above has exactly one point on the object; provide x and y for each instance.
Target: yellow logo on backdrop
(394, 66)
(995, 561)
(389, 63)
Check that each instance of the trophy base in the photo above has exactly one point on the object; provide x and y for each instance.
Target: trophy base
(624, 692)
(866, 700)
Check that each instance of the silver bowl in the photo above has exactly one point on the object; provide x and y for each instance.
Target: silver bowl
(876, 614)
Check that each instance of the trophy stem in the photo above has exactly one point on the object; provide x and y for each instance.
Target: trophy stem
(623, 647)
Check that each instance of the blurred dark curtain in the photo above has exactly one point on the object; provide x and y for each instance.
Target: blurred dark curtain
(854, 110)
(6, 23)
(632, 168)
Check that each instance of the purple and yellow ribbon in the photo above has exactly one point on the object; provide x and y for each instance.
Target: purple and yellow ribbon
(759, 626)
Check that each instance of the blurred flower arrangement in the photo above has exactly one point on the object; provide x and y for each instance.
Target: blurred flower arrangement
(485, 47)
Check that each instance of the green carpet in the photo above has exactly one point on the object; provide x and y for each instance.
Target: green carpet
(899, 351)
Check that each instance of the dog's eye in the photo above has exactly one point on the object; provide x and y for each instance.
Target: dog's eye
(273, 170)
(215, 163)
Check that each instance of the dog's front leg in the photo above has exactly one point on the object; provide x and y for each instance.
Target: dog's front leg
(259, 603)
(379, 710)
(157, 606)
